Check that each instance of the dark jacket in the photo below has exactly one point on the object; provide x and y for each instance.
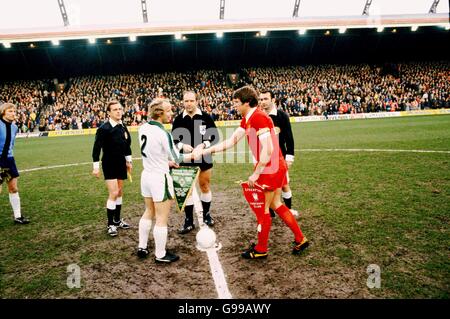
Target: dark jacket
(286, 139)
(194, 131)
(114, 141)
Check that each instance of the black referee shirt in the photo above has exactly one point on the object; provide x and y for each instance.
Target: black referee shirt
(286, 139)
(115, 142)
(194, 131)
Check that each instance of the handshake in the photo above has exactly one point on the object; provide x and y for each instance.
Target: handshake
(196, 153)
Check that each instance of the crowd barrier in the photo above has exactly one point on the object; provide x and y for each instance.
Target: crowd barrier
(313, 118)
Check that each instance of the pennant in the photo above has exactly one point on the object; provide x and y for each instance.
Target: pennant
(183, 180)
(255, 197)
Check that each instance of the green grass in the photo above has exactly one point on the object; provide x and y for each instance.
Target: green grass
(385, 208)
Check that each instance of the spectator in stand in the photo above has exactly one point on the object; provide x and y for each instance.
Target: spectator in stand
(298, 90)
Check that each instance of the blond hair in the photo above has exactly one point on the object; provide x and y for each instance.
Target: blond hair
(156, 108)
(4, 107)
(190, 92)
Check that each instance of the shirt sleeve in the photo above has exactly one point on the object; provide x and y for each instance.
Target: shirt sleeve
(289, 137)
(98, 144)
(128, 146)
(263, 125)
(171, 150)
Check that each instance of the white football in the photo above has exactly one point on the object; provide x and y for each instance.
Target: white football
(206, 238)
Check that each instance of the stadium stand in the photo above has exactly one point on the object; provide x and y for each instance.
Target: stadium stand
(328, 89)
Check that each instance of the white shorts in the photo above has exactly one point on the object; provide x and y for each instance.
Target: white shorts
(158, 186)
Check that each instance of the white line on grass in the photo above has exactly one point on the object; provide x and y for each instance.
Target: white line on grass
(374, 150)
(218, 275)
(51, 167)
(216, 267)
(367, 150)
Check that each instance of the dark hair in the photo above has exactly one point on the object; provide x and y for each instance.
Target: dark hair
(267, 91)
(111, 103)
(246, 94)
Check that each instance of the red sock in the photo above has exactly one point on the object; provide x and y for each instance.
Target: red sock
(263, 236)
(289, 219)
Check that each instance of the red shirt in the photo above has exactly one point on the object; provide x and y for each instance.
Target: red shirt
(258, 124)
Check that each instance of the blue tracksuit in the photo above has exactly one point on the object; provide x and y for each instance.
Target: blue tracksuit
(8, 133)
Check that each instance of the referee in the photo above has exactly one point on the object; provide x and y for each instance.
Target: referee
(286, 139)
(196, 129)
(115, 141)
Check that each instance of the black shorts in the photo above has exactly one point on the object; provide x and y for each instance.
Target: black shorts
(114, 169)
(203, 166)
(9, 167)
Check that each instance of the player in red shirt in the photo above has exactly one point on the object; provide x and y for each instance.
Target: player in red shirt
(269, 171)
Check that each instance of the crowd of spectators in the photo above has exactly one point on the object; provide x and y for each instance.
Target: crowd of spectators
(300, 90)
(314, 90)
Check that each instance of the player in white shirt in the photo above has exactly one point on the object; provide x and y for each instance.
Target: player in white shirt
(159, 154)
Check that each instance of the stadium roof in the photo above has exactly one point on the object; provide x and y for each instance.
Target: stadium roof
(48, 38)
(44, 20)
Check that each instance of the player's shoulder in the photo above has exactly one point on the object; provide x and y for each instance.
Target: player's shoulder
(105, 126)
(260, 119)
(178, 118)
(281, 112)
(13, 124)
(145, 127)
(260, 116)
(177, 121)
(283, 115)
(206, 116)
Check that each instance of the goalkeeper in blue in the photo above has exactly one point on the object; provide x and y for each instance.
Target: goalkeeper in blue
(8, 169)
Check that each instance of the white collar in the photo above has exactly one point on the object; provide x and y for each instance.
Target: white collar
(250, 113)
(273, 111)
(114, 123)
(199, 112)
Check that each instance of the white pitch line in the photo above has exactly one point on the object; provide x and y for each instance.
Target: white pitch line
(355, 150)
(51, 167)
(59, 166)
(216, 267)
(373, 150)
(367, 150)
(218, 275)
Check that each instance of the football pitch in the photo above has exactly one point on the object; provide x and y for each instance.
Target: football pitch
(369, 192)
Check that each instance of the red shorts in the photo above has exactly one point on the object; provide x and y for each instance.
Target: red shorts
(271, 182)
